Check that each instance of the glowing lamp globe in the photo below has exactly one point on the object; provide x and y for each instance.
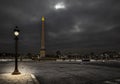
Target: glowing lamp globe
(16, 31)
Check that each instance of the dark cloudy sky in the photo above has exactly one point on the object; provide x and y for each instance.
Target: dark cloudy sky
(70, 24)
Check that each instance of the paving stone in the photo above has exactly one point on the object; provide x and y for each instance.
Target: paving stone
(118, 80)
(16, 79)
(110, 82)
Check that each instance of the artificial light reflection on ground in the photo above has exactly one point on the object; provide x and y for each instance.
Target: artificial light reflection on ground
(8, 78)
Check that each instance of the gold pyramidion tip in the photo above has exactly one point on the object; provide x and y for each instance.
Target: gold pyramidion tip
(43, 18)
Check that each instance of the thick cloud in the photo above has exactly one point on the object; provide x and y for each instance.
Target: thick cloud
(82, 24)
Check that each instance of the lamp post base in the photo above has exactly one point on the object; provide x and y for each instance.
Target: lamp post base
(16, 72)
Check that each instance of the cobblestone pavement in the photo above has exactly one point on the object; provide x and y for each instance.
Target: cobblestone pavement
(115, 81)
(67, 72)
(16, 79)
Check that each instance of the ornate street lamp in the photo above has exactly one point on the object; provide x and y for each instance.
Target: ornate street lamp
(16, 33)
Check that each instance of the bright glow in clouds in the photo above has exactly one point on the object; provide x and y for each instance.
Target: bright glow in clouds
(59, 6)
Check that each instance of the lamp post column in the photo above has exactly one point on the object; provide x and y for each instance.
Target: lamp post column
(16, 71)
(16, 54)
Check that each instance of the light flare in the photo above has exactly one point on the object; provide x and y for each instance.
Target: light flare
(60, 6)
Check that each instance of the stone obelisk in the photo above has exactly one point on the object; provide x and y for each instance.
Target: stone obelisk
(42, 50)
